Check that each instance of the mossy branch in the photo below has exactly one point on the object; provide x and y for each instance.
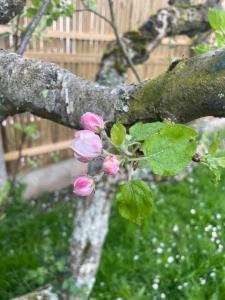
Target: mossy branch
(181, 18)
(193, 88)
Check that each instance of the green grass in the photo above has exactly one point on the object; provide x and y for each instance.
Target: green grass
(177, 254)
(173, 255)
(33, 237)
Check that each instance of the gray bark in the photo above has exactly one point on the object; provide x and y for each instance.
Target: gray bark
(190, 89)
(49, 91)
(90, 228)
(9, 9)
(44, 294)
(32, 26)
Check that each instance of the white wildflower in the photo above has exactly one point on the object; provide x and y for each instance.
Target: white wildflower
(170, 259)
(155, 286)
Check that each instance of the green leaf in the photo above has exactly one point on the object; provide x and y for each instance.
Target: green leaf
(57, 3)
(31, 12)
(140, 131)
(36, 3)
(91, 4)
(68, 11)
(18, 126)
(55, 15)
(30, 129)
(134, 201)
(118, 134)
(214, 164)
(215, 144)
(49, 21)
(202, 48)
(220, 39)
(170, 150)
(216, 19)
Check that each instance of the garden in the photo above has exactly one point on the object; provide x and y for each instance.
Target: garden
(112, 155)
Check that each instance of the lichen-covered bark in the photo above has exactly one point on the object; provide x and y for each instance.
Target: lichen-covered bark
(190, 89)
(49, 91)
(9, 9)
(184, 17)
(90, 228)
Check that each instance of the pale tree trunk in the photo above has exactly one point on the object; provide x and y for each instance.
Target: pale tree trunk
(44, 294)
(90, 228)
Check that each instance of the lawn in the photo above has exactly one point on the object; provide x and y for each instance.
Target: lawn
(178, 254)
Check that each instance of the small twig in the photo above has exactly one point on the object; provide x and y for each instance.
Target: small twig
(112, 23)
(94, 12)
(32, 26)
(120, 43)
(203, 37)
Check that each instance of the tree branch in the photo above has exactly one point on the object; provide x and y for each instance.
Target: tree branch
(9, 9)
(88, 9)
(120, 43)
(181, 18)
(193, 88)
(32, 26)
(112, 23)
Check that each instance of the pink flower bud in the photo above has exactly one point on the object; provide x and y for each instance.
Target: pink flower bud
(92, 122)
(83, 186)
(86, 146)
(111, 165)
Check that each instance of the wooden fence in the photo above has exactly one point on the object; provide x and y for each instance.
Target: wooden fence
(77, 44)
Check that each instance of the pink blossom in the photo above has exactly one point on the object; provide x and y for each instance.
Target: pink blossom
(83, 186)
(86, 146)
(92, 122)
(111, 165)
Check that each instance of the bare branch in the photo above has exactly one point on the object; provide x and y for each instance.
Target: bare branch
(32, 26)
(88, 9)
(173, 20)
(112, 23)
(121, 44)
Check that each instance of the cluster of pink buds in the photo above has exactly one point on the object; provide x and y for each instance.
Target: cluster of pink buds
(88, 146)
